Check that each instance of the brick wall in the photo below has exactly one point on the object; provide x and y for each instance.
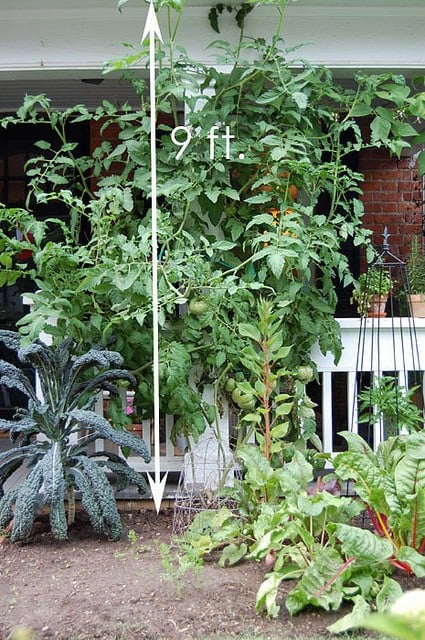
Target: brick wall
(392, 197)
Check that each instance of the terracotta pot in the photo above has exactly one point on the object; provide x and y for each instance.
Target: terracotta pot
(417, 305)
(377, 307)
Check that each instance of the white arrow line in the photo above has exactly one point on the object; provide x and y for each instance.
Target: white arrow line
(150, 31)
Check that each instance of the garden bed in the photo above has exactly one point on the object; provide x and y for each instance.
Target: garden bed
(88, 588)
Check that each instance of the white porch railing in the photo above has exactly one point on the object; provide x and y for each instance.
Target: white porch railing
(373, 345)
(393, 345)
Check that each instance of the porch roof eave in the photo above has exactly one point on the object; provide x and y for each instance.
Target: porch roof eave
(66, 39)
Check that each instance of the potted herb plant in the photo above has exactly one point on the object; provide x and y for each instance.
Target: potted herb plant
(372, 292)
(415, 266)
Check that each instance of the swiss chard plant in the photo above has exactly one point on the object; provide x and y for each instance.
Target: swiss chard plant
(52, 435)
(391, 484)
(302, 532)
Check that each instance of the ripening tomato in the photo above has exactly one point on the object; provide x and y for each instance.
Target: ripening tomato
(230, 385)
(293, 192)
(243, 400)
(198, 306)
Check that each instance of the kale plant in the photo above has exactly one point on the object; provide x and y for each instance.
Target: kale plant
(51, 437)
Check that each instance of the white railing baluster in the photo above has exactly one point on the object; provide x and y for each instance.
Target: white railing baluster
(352, 412)
(327, 411)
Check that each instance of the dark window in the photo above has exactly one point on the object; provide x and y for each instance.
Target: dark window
(16, 148)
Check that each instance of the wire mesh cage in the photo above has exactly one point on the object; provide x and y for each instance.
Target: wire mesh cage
(209, 471)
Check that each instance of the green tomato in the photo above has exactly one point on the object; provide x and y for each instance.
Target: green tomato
(305, 373)
(230, 384)
(197, 306)
(247, 405)
(243, 400)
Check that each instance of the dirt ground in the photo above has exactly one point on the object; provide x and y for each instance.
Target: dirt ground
(89, 588)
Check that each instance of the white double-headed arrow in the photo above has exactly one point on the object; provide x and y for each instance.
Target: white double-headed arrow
(150, 31)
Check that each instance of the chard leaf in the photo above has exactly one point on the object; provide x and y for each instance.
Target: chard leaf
(392, 495)
(389, 592)
(409, 474)
(420, 517)
(300, 469)
(254, 462)
(311, 506)
(414, 559)
(232, 554)
(363, 544)
(357, 444)
(321, 585)
(368, 477)
(267, 594)
(352, 619)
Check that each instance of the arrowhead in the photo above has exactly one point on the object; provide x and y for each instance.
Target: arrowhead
(151, 26)
(157, 488)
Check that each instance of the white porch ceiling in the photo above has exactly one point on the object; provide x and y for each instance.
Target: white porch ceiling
(74, 38)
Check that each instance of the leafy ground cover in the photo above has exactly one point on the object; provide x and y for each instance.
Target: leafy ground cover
(87, 588)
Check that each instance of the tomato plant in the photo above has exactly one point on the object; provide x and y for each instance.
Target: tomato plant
(231, 229)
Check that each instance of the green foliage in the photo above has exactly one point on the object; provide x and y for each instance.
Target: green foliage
(176, 564)
(391, 483)
(268, 220)
(387, 401)
(375, 282)
(415, 266)
(301, 531)
(51, 435)
(405, 619)
(271, 399)
(241, 12)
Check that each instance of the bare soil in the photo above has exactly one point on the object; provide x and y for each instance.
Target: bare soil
(90, 588)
